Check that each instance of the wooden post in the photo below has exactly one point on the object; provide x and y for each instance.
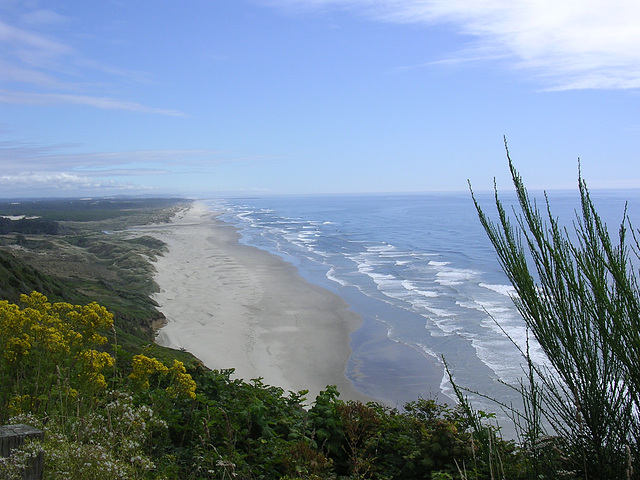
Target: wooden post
(13, 436)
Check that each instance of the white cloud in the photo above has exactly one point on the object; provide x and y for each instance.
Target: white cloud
(27, 98)
(28, 57)
(11, 72)
(44, 17)
(26, 42)
(16, 158)
(62, 182)
(570, 43)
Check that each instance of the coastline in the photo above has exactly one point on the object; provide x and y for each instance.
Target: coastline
(236, 306)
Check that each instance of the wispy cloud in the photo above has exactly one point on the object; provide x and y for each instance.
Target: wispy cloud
(19, 158)
(31, 60)
(43, 170)
(12, 73)
(27, 98)
(27, 45)
(28, 169)
(45, 17)
(64, 183)
(573, 44)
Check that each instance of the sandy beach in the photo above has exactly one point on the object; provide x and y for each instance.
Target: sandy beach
(235, 306)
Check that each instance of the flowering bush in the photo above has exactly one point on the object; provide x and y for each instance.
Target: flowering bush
(52, 356)
(68, 459)
(111, 443)
(144, 368)
(53, 367)
(181, 384)
(50, 353)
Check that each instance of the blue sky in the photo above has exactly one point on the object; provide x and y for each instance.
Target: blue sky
(221, 97)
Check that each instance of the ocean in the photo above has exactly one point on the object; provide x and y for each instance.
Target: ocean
(421, 272)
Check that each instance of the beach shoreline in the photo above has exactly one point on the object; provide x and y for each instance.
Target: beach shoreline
(236, 306)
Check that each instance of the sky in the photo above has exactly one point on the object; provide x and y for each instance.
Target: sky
(215, 98)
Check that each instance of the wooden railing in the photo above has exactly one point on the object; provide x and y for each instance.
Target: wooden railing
(14, 436)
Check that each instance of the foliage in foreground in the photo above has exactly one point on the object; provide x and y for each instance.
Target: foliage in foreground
(150, 420)
(578, 293)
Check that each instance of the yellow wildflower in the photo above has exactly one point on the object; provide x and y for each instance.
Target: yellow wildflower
(19, 404)
(144, 367)
(17, 347)
(93, 363)
(183, 384)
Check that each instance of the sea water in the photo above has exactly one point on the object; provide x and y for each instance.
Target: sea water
(423, 275)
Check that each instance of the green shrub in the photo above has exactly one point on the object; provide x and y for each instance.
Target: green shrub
(579, 296)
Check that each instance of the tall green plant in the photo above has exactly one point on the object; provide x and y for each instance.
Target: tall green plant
(579, 296)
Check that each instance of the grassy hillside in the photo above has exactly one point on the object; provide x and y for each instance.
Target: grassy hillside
(90, 259)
